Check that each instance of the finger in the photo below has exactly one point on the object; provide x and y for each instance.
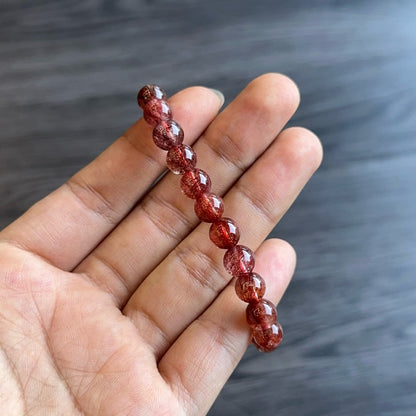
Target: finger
(66, 225)
(199, 363)
(191, 277)
(164, 217)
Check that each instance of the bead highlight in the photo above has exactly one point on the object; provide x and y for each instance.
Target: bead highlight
(250, 287)
(261, 314)
(266, 340)
(167, 134)
(239, 260)
(181, 158)
(224, 233)
(195, 182)
(209, 207)
(156, 111)
(148, 92)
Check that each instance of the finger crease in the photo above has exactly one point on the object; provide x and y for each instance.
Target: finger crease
(138, 147)
(114, 272)
(168, 222)
(174, 378)
(257, 203)
(221, 335)
(104, 208)
(230, 152)
(205, 270)
(19, 246)
(149, 318)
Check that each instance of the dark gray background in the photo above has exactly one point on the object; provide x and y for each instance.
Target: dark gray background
(68, 75)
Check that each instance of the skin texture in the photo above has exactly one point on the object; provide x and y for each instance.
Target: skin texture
(113, 299)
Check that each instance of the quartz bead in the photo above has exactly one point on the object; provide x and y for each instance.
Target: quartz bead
(195, 182)
(224, 233)
(261, 314)
(148, 92)
(266, 340)
(156, 111)
(181, 158)
(239, 260)
(250, 287)
(167, 134)
(209, 207)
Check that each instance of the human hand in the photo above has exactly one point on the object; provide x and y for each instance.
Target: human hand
(113, 300)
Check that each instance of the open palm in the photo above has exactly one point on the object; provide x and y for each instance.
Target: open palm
(113, 299)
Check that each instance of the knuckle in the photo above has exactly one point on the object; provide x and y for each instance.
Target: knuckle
(261, 200)
(93, 199)
(227, 149)
(201, 268)
(165, 216)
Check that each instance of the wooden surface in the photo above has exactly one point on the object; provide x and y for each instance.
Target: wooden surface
(69, 71)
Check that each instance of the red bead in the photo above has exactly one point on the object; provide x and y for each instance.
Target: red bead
(156, 111)
(261, 314)
(195, 182)
(148, 92)
(167, 134)
(224, 233)
(266, 340)
(250, 287)
(181, 158)
(239, 260)
(209, 207)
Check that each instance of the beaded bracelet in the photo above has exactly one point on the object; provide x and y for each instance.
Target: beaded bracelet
(250, 287)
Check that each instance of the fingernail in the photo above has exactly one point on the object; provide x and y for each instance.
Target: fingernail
(219, 94)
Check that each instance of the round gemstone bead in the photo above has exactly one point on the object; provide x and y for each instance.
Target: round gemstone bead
(261, 314)
(195, 182)
(181, 158)
(167, 134)
(148, 92)
(156, 111)
(239, 260)
(224, 233)
(250, 287)
(209, 207)
(266, 340)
